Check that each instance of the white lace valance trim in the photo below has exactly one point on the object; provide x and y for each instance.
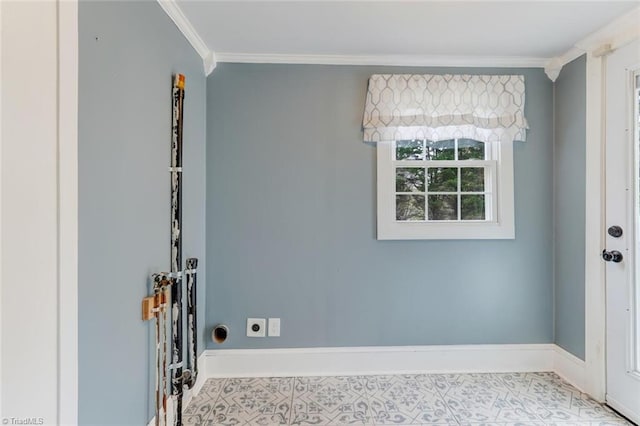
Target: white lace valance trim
(487, 108)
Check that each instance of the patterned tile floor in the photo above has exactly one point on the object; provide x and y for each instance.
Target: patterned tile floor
(433, 399)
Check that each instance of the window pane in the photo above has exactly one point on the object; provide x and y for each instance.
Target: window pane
(409, 179)
(468, 149)
(472, 207)
(409, 207)
(443, 207)
(472, 179)
(443, 179)
(409, 150)
(442, 150)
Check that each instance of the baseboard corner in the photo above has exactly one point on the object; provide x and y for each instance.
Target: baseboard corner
(570, 368)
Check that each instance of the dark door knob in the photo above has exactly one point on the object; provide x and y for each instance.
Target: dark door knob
(615, 231)
(612, 256)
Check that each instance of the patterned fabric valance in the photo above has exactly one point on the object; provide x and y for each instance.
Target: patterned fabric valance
(487, 108)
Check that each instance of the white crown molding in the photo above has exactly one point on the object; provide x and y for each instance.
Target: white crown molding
(617, 33)
(391, 60)
(174, 11)
(613, 35)
(554, 66)
(210, 62)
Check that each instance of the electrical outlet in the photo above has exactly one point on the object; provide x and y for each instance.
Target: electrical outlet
(256, 327)
(274, 327)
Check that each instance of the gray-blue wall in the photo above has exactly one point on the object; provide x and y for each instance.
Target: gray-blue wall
(569, 202)
(128, 51)
(291, 213)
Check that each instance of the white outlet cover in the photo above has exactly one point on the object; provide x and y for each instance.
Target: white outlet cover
(274, 327)
(261, 322)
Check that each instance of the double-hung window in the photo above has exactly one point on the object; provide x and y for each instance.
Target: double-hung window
(443, 172)
(450, 189)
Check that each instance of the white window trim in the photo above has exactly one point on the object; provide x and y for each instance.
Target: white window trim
(501, 227)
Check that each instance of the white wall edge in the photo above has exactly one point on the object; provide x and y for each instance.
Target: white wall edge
(571, 368)
(30, 211)
(174, 11)
(2, 142)
(68, 212)
(378, 360)
(618, 32)
(391, 60)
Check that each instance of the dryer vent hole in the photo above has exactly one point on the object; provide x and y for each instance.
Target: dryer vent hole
(220, 333)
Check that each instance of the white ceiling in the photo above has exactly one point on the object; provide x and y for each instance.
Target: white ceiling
(526, 29)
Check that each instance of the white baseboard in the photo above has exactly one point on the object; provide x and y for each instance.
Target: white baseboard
(349, 361)
(378, 360)
(570, 368)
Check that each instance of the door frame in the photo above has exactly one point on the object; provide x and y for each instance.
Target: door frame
(595, 306)
(59, 60)
(619, 385)
(597, 47)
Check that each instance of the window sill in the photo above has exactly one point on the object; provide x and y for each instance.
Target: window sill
(445, 231)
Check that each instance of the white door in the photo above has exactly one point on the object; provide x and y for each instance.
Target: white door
(622, 210)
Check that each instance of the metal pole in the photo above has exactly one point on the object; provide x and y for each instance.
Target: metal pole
(192, 320)
(160, 303)
(176, 245)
